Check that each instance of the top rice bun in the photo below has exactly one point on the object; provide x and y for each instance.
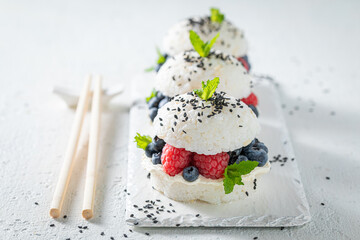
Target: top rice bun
(221, 124)
(185, 72)
(231, 39)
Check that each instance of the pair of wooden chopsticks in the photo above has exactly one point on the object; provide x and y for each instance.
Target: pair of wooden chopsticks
(66, 170)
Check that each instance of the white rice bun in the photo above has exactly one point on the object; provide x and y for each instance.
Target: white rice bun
(185, 72)
(231, 39)
(231, 127)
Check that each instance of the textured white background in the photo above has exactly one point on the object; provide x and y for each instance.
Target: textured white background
(311, 47)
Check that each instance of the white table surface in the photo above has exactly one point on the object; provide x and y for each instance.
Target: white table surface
(312, 48)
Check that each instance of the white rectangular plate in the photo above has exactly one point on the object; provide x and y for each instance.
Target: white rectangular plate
(279, 201)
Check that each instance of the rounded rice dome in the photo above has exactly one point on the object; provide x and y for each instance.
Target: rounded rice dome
(231, 39)
(185, 72)
(220, 124)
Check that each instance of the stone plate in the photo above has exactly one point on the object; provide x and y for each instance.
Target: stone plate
(279, 199)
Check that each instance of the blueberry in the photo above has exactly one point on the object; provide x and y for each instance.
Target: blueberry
(190, 174)
(258, 155)
(254, 109)
(248, 147)
(159, 144)
(153, 113)
(150, 150)
(154, 102)
(262, 146)
(234, 155)
(156, 158)
(160, 95)
(241, 158)
(163, 102)
(157, 67)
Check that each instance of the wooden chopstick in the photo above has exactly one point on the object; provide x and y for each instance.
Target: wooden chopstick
(66, 170)
(90, 182)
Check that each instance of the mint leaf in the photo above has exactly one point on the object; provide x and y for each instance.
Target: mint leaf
(197, 42)
(202, 48)
(161, 60)
(208, 89)
(152, 94)
(208, 45)
(142, 141)
(233, 173)
(150, 69)
(216, 15)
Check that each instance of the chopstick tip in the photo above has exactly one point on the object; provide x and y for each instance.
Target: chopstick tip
(87, 214)
(54, 212)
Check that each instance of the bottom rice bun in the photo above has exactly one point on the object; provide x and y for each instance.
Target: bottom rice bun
(205, 148)
(204, 189)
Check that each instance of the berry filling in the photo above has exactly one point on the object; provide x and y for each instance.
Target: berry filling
(177, 160)
(155, 103)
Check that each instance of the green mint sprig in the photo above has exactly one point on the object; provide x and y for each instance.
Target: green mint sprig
(234, 172)
(207, 89)
(142, 140)
(216, 15)
(152, 94)
(202, 48)
(161, 60)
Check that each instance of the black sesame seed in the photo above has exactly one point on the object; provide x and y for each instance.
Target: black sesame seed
(178, 225)
(327, 178)
(247, 194)
(197, 215)
(52, 225)
(102, 233)
(148, 234)
(125, 235)
(322, 204)
(36, 203)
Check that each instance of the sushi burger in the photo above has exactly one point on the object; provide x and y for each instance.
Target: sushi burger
(185, 72)
(205, 147)
(231, 40)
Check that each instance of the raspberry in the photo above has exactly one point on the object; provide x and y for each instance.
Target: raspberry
(251, 100)
(211, 166)
(244, 62)
(174, 159)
